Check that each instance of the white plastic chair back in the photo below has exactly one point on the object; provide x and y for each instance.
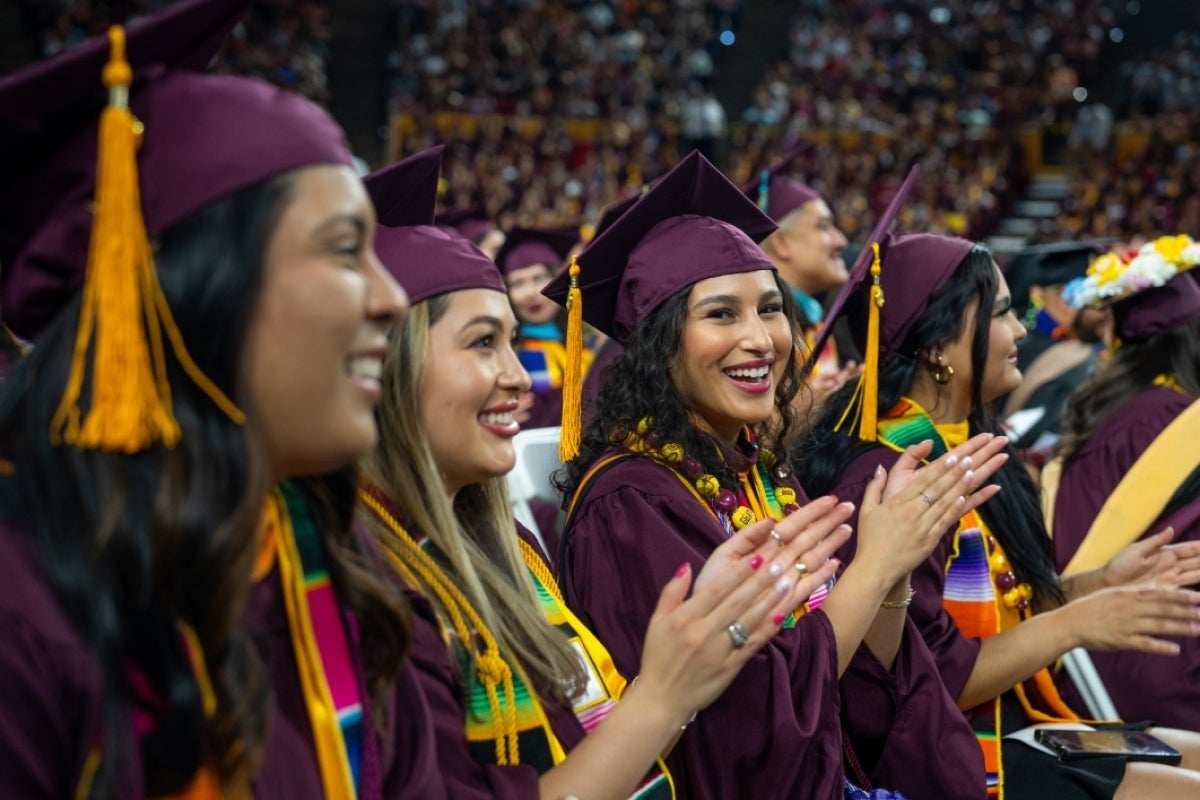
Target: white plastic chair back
(1083, 674)
(537, 460)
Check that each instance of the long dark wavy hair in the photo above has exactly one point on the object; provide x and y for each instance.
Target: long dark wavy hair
(638, 384)
(1132, 369)
(133, 545)
(1014, 516)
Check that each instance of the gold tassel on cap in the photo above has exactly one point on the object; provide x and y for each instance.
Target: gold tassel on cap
(123, 315)
(568, 443)
(864, 403)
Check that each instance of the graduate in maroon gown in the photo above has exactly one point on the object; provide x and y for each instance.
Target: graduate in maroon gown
(683, 451)
(1129, 427)
(515, 680)
(944, 347)
(187, 611)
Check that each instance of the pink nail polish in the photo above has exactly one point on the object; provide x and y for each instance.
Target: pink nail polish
(756, 561)
(834, 496)
(779, 618)
(683, 568)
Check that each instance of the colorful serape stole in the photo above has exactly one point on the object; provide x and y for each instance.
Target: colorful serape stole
(605, 684)
(321, 644)
(971, 595)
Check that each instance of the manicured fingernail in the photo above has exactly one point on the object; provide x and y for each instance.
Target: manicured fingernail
(756, 561)
(967, 462)
(960, 502)
(683, 568)
(879, 471)
(834, 496)
(784, 585)
(848, 505)
(968, 476)
(779, 618)
(775, 570)
(951, 460)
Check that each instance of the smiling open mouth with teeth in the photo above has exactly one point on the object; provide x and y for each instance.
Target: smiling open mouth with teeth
(755, 374)
(505, 418)
(367, 367)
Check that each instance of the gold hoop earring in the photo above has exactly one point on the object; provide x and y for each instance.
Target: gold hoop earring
(942, 372)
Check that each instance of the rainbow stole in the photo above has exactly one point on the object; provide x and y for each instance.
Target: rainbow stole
(537, 745)
(971, 596)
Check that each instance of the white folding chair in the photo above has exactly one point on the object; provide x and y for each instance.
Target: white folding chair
(1083, 674)
(537, 460)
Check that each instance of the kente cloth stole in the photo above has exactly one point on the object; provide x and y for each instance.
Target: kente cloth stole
(971, 596)
(321, 643)
(605, 684)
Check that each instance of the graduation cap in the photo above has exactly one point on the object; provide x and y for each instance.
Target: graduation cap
(691, 225)
(1151, 291)
(1048, 265)
(471, 222)
(425, 259)
(890, 289)
(776, 194)
(525, 247)
(97, 179)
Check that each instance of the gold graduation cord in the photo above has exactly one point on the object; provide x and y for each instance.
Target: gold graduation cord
(336, 778)
(493, 670)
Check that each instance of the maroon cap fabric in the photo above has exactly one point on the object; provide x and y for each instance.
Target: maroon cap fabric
(205, 137)
(860, 271)
(693, 224)
(777, 194)
(524, 247)
(914, 266)
(425, 259)
(405, 193)
(471, 222)
(1157, 310)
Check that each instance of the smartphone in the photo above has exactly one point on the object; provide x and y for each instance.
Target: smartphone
(1133, 745)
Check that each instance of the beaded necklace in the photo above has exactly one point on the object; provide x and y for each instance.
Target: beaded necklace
(757, 496)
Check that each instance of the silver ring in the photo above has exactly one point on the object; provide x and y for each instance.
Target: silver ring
(778, 539)
(737, 632)
(801, 568)
(927, 499)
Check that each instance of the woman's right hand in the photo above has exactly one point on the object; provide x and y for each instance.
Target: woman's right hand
(905, 512)
(690, 654)
(1132, 618)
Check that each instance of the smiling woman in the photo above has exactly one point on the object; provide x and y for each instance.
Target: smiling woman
(685, 450)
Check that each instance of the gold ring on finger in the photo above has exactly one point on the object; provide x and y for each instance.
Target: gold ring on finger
(801, 568)
(778, 539)
(928, 500)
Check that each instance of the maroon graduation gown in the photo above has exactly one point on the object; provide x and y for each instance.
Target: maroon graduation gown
(776, 731)
(1142, 686)
(50, 705)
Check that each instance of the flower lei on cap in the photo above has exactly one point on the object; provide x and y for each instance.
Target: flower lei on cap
(1117, 275)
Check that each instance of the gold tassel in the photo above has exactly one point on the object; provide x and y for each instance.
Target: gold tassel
(568, 443)
(868, 429)
(123, 306)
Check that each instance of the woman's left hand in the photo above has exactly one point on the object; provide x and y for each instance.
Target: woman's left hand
(1156, 561)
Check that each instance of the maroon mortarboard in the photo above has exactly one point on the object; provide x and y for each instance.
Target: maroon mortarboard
(691, 225)
(204, 137)
(405, 193)
(776, 194)
(859, 293)
(167, 143)
(1157, 310)
(525, 247)
(471, 222)
(425, 259)
(618, 209)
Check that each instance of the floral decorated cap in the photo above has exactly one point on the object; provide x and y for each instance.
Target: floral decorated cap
(1150, 290)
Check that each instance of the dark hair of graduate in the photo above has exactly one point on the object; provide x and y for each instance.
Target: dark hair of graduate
(1014, 515)
(1132, 369)
(132, 545)
(638, 384)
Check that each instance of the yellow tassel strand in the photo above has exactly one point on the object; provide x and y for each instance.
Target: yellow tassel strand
(568, 443)
(123, 306)
(868, 429)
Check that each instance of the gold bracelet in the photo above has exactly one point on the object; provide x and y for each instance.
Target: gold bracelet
(905, 603)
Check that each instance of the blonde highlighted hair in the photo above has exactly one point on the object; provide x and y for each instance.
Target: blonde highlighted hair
(475, 534)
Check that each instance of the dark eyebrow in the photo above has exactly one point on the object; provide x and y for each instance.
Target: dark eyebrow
(356, 220)
(718, 299)
(484, 319)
